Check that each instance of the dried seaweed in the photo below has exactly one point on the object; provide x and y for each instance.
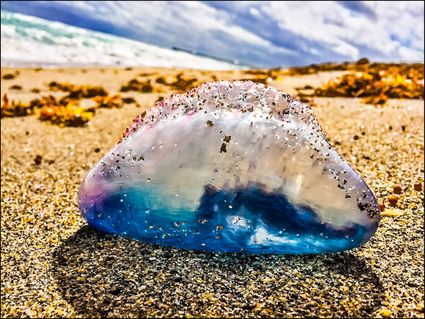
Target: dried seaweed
(62, 112)
(376, 86)
(138, 86)
(78, 91)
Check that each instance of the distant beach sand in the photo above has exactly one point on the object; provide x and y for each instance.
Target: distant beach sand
(52, 264)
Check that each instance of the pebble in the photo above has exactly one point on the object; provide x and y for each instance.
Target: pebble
(38, 159)
(386, 313)
(393, 199)
(397, 189)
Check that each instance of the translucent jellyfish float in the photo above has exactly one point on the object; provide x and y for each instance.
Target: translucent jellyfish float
(230, 166)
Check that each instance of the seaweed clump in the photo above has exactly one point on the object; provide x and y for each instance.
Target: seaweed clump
(138, 86)
(376, 86)
(78, 91)
(62, 112)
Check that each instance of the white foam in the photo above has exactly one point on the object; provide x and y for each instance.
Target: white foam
(29, 40)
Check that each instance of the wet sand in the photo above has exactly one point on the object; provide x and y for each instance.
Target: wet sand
(54, 265)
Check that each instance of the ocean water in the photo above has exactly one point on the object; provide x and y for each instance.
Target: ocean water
(32, 41)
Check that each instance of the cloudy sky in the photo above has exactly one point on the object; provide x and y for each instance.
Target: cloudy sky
(255, 33)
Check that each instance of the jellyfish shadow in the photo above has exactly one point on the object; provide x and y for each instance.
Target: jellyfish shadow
(102, 275)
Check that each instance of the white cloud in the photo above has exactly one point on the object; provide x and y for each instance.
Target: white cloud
(347, 31)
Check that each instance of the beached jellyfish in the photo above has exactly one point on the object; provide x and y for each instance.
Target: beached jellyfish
(230, 166)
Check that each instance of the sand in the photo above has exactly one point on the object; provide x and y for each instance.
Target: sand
(53, 264)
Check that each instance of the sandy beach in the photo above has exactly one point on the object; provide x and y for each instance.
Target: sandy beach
(54, 265)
